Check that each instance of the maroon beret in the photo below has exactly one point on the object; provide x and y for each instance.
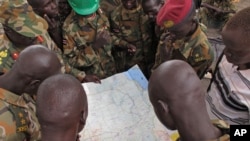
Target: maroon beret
(174, 12)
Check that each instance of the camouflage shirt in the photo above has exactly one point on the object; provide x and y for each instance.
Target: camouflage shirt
(80, 34)
(18, 120)
(19, 16)
(195, 50)
(109, 5)
(131, 27)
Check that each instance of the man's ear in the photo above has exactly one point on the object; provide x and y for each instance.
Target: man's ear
(33, 86)
(83, 118)
(163, 106)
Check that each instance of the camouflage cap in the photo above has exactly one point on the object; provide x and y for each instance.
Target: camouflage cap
(19, 15)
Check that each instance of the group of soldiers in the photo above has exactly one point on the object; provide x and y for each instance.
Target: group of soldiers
(106, 37)
(95, 39)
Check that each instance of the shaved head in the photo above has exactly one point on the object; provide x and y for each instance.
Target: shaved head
(174, 80)
(61, 104)
(37, 62)
(175, 91)
(34, 64)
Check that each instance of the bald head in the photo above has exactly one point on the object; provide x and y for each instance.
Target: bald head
(174, 80)
(61, 104)
(175, 91)
(34, 64)
(38, 62)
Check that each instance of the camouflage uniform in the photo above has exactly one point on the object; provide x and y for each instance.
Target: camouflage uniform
(131, 27)
(18, 120)
(109, 5)
(212, 19)
(80, 34)
(194, 49)
(19, 16)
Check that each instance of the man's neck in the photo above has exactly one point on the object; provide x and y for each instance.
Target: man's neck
(196, 127)
(7, 84)
(56, 136)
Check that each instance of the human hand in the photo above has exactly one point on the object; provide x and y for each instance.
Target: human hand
(131, 49)
(91, 78)
(101, 39)
(166, 48)
(51, 21)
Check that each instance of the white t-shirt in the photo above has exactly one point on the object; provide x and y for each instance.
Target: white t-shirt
(229, 95)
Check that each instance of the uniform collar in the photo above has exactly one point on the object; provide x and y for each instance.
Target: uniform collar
(11, 98)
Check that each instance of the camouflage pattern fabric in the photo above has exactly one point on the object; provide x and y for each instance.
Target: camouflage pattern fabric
(7, 52)
(17, 120)
(131, 27)
(109, 5)
(212, 19)
(19, 16)
(195, 50)
(80, 34)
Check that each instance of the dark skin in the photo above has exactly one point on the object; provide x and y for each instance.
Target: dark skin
(152, 7)
(178, 32)
(61, 98)
(18, 39)
(25, 79)
(182, 109)
(48, 9)
(236, 50)
(64, 9)
(130, 4)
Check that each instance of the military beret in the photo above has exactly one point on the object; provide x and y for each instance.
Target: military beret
(19, 15)
(174, 12)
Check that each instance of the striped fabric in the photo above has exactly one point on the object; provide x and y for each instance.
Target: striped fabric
(228, 96)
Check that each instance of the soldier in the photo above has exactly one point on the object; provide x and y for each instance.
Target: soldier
(71, 106)
(21, 26)
(109, 5)
(18, 120)
(215, 13)
(64, 10)
(151, 8)
(88, 40)
(48, 9)
(131, 30)
(180, 105)
(186, 41)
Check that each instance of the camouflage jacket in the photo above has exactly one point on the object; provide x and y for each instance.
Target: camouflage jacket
(195, 50)
(131, 27)
(27, 24)
(18, 120)
(80, 34)
(109, 5)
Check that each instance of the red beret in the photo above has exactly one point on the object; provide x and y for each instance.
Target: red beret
(174, 12)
